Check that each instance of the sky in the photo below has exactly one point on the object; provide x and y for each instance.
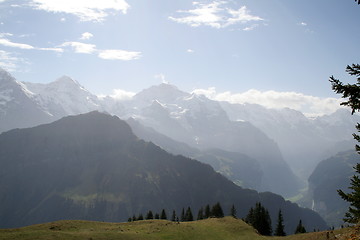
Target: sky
(277, 53)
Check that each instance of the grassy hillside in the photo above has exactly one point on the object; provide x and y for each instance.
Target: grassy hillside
(226, 229)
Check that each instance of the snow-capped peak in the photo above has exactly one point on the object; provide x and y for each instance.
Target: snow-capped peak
(164, 93)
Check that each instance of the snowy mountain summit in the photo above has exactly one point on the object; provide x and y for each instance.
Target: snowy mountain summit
(276, 139)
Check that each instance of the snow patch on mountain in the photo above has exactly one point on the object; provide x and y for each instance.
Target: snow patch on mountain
(64, 96)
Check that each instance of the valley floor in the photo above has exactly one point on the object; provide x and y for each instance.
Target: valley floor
(226, 229)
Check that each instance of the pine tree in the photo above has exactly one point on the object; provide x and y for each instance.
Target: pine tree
(140, 217)
(157, 216)
(188, 215)
(200, 214)
(233, 211)
(279, 231)
(173, 216)
(182, 215)
(149, 215)
(207, 211)
(134, 218)
(250, 217)
(259, 218)
(300, 228)
(352, 93)
(163, 215)
(217, 211)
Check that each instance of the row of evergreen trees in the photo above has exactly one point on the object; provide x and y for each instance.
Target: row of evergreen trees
(215, 211)
(259, 218)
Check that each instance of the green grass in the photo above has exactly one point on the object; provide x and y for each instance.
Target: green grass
(210, 229)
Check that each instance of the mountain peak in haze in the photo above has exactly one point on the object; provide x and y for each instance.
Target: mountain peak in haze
(163, 92)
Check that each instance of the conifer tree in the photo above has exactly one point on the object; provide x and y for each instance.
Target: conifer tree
(279, 231)
(149, 215)
(259, 218)
(200, 214)
(173, 216)
(182, 215)
(134, 218)
(157, 216)
(352, 93)
(163, 215)
(233, 211)
(217, 211)
(300, 228)
(188, 215)
(207, 211)
(250, 217)
(140, 217)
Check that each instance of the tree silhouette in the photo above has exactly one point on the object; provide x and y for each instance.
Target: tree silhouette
(200, 214)
(300, 228)
(149, 215)
(279, 231)
(259, 218)
(188, 215)
(217, 211)
(207, 211)
(182, 215)
(233, 211)
(173, 216)
(163, 215)
(352, 93)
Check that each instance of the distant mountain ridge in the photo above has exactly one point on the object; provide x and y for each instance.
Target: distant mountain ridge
(276, 139)
(330, 175)
(92, 166)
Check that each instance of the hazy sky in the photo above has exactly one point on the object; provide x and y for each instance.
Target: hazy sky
(231, 46)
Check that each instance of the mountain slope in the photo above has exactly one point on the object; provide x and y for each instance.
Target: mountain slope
(203, 124)
(303, 141)
(239, 168)
(64, 97)
(92, 166)
(18, 108)
(330, 175)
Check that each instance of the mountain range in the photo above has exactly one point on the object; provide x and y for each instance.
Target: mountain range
(330, 175)
(91, 166)
(278, 148)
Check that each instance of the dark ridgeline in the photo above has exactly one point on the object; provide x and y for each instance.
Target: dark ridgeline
(92, 166)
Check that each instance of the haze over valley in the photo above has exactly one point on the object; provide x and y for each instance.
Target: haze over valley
(189, 114)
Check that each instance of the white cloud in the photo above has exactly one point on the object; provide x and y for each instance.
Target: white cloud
(162, 77)
(107, 54)
(190, 51)
(309, 105)
(7, 43)
(80, 47)
(116, 54)
(86, 36)
(252, 27)
(58, 50)
(86, 10)
(120, 94)
(303, 24)
(215, 14)
(10, 62)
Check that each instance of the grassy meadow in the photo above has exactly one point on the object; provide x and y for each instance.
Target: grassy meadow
(210, 229)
